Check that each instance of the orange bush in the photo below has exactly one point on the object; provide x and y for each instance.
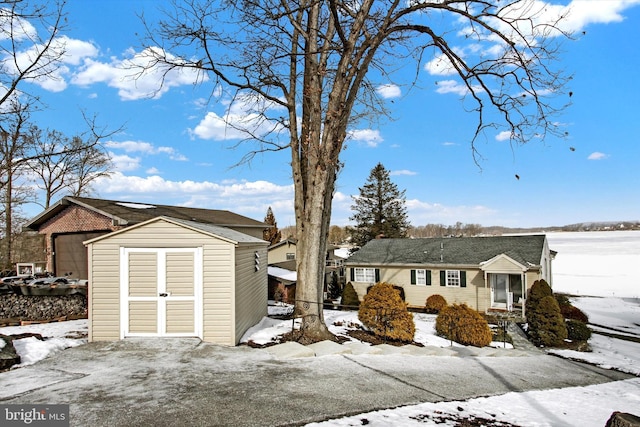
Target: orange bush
(435, 303)
(383, 312)
(464, 325)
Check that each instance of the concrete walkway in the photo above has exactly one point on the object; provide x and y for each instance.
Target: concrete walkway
(186, 382)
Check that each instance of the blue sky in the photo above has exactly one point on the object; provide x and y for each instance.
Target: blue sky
(171, 150)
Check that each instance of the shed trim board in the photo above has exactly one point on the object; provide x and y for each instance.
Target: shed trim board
(161, 297)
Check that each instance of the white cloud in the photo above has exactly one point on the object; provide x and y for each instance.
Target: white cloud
(215, 127)
(370, 137)
(15, 26)
(75, 51)
(452, 86)
(131, 146)
(53, 76)
(505, 135)
(440, 66)
(449, 144)
(124, 163)
(389, 91)
(244, 118)
(134, 77)
(146, 148)
(172, 153)
(580, 14)
(434, 213)
(152, 171)
(596, 155)
(403, 172)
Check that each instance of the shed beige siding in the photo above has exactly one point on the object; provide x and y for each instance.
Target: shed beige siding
(104, 304)
(104, 291)
(219, 258)
(232, 297)
(250, 290)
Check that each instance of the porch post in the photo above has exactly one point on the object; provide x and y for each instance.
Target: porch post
(524, 291)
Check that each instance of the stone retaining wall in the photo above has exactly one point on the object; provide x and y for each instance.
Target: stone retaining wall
(42, 307)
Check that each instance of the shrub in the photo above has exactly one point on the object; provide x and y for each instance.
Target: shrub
(400, 290)
(464, 325)
(562, 299)
(350, 296)
(385, 314)
(435, 303)
(546, 324)
(577, 330)
(539, 290)
(333, 288)
(573, 313)
(278, 294)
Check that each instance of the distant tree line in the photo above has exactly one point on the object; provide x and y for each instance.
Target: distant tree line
(341, 235)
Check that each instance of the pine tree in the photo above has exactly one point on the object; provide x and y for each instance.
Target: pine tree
(379, 209)
(271, 234)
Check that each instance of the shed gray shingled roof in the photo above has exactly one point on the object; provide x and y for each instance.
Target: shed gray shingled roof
(224, 232)
(527, 250)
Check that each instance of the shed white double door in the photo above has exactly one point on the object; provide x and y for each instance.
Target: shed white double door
(161, 292)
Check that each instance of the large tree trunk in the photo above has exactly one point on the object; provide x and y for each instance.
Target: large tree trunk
(312, 222)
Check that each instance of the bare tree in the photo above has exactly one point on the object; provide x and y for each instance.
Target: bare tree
(50, 168)
(90, 163)
(13, 146)
(63, 164)
(30, 50)
(306, 70)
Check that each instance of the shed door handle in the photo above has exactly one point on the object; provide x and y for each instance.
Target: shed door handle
(164, 294)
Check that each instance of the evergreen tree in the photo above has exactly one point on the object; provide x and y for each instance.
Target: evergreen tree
(379, 209)
(271, 234)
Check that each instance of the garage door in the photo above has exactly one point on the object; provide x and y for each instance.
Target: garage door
(71, 255)
(161, 292)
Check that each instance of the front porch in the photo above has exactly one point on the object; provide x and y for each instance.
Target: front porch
(507, 283)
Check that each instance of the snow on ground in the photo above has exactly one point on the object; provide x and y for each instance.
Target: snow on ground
(58, 336)
(535, 408)
(601, 264)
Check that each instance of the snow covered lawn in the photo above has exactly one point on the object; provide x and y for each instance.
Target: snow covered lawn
(534, 408)
(616, 254)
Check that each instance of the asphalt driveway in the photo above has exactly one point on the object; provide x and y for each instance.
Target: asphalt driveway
(186, 382)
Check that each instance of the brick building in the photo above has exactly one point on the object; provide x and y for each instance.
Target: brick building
(74, 220)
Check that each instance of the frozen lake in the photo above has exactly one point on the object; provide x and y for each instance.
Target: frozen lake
(598, 263)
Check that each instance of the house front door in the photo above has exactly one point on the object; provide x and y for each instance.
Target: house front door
(506, 290)
(161, 292)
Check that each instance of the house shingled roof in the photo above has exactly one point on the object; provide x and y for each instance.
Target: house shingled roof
(129, 213)
(526, 249)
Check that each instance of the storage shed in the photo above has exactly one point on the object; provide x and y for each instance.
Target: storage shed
(169, 277)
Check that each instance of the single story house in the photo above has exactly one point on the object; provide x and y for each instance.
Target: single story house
(486, 273)
(282, 281)
(172, 277)
(282, 268)
(73, 220)
(285, 250)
